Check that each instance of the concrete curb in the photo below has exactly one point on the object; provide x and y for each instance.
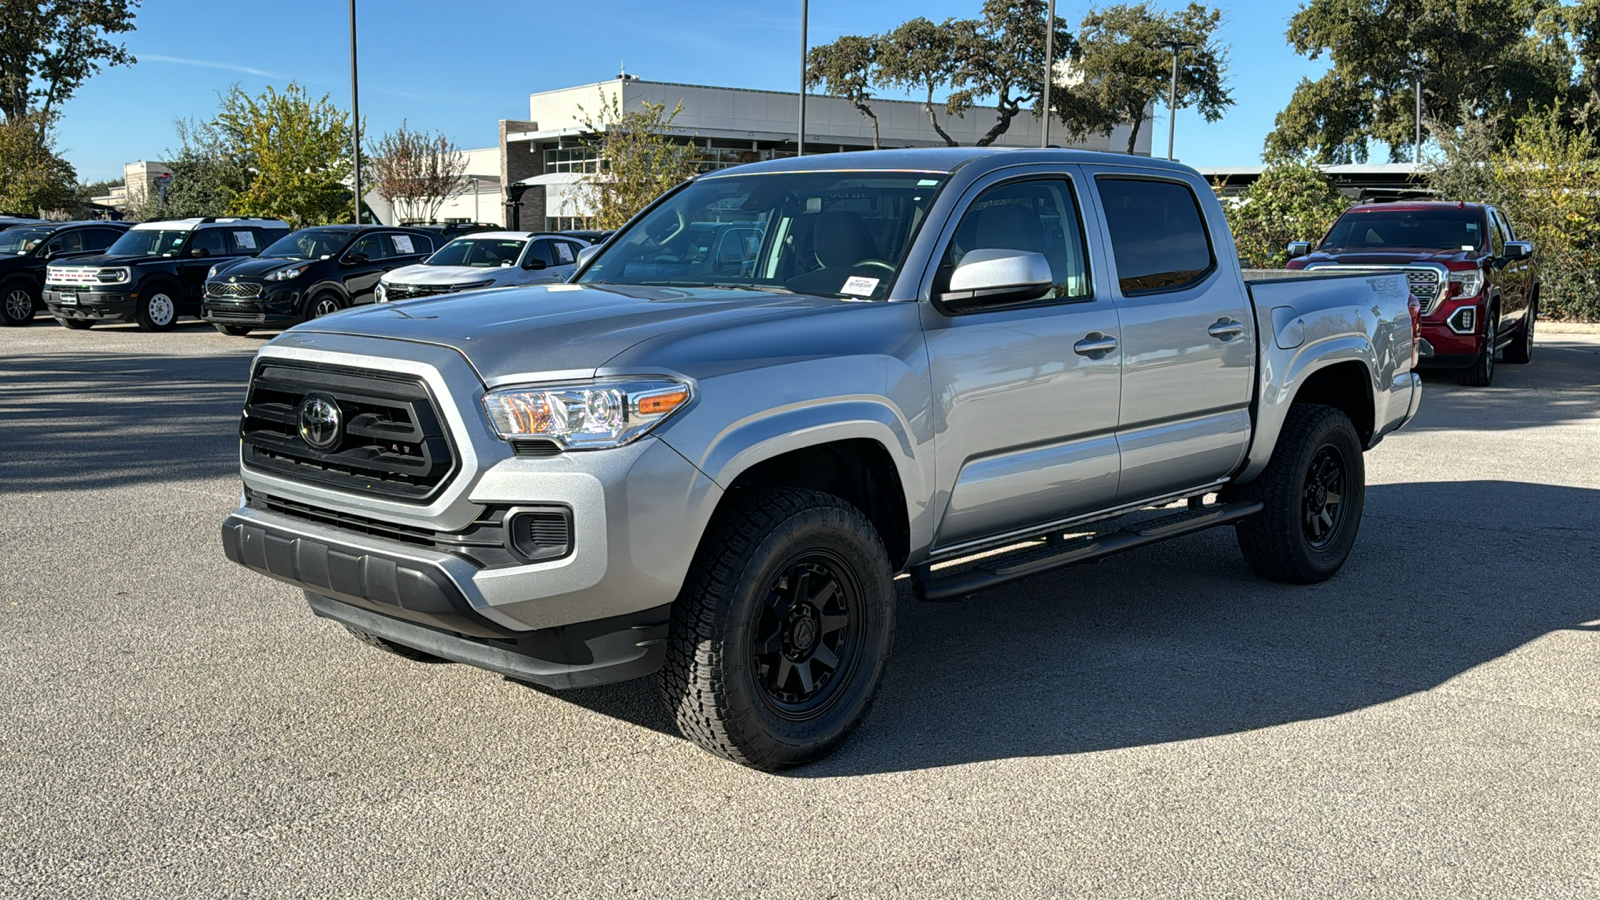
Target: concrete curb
(1568, 327)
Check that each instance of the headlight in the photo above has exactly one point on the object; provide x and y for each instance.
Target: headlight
(112, 276)
(380, 294)
(211, 272)
(586, 416)
(1465, 284)
(287, 274)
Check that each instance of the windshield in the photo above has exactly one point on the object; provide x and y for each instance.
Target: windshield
(18, 241)
(835, 234)
(479, 253)
(148, 242)
(1420, 229)
(312, 243)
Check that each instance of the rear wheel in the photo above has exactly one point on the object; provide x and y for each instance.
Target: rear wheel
(782, 633)
(157, 309)
(77, 324)
(17, 302)
(1313, 492)
(1481, 372)
(1520, 351)
(235, 330)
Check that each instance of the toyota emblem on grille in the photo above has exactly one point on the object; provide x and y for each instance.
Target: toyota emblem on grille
(321, 422)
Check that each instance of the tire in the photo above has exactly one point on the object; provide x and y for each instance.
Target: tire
(235, 330)
(410, 653)
(784, 581)
(1520, 351)
(1300, 537)
(77, 324)
(323, 305)
(17, 302)
(1481, 372)
(157, 309)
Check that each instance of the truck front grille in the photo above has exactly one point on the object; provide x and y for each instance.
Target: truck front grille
(386, 437)
(1425, 285)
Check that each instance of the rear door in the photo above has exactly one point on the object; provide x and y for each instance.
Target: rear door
(1188, 333)
(1025, 396)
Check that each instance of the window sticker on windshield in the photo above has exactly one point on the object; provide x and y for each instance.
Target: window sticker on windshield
(563, 251)
(859, 285)
(245, 240)
(402, 244)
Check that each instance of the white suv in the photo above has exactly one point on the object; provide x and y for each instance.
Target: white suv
(486, 259)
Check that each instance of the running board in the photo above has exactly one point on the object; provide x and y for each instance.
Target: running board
(930, 586)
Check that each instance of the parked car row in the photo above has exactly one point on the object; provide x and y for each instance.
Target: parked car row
(1477, 282)
(245, 273)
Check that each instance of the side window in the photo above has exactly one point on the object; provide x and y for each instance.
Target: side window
(370, 246)
(101, 238)
(1497, 234)
(1505, 225)
(209, 240)
(566, 252)
(1039, 216)
(71, 242)
(405, 244)
(244, 240)
(541, 250)
(1158, 236)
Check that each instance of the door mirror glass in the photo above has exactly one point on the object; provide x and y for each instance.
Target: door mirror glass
(1298, 249)
(1519, 250)
(995, 277)
(532, 263)
(199, 252)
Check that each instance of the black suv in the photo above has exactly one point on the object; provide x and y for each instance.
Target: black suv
(26, 250)
(154, 273)
(310, 273)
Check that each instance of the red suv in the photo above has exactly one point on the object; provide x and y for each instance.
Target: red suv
(1477, 283)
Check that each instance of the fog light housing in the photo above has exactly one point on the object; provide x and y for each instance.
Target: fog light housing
(1464, 320)
(539, 533)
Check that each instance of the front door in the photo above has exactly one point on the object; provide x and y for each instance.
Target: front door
(1188, 335)
(362, 265)
(1025, 395)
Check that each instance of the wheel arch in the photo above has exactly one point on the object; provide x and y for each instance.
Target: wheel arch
(1347, 387)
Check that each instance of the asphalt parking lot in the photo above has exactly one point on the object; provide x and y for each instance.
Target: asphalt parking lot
(1162, 723)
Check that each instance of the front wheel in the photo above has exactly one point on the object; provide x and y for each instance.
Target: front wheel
(1313, 492)
(783, 629)
(1520, 351)
(1481, 372)
(77, 324)
(16, 303)
(157, 309)
(323, 305)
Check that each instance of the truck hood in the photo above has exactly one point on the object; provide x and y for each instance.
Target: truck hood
(1398, 256)
(561, 330)
(420, 274)
(106, 260)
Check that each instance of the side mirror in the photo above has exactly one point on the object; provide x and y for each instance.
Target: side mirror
(199, 253)
(355, 259)
(1298, 249)
(1519, 250)
(587, 253)
(533, 263)
(994, 278)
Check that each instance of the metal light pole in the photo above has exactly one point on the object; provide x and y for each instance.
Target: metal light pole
(1049, 69)
(800, 138)
(1172, 93)
(1417, 71)
(355, 113)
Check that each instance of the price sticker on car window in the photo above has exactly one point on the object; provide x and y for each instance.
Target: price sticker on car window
(244, 240)
(859, 286)
(563, 251)
(402, 244)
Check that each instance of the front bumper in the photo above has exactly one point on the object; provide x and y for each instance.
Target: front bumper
(90, 305)
(275, 308)
(1445, 348)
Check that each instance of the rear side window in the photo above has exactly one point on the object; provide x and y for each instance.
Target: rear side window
(101, 238)
(408, 244)
(244, 240)
(1158, 236)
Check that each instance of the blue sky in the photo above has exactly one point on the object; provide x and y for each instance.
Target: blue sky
(461, 66)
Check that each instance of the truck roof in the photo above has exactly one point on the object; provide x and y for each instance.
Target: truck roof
(1416, 205)
(945, 159)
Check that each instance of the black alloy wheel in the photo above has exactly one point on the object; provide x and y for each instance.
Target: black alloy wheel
(1481, 372)
(325, 305)
(803, 637)
(16, 303)
(1520, 351)
(1322, 506)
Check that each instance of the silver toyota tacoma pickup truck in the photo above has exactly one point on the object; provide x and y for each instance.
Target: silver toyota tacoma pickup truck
(711, 453)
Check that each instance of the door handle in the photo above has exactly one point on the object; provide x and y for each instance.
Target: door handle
(1095, 345)
(1226, 329)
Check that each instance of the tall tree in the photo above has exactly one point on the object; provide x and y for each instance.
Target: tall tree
(1124, 63)
(1489, 53)
(1003, 58)
(847, 69)
(33, 179)
(50, 47)
(638, 159)
(416, 172)
(1292, 200)
(923, 57)
(297, 150)
(209, 175)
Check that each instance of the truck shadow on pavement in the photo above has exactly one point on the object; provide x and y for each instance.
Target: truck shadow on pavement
(1182, 641)
(85, 421)
(1561, 385)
